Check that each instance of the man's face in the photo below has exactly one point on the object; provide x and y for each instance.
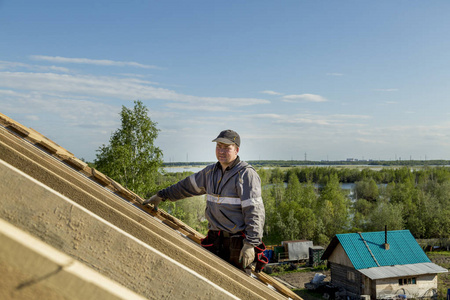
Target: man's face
(226, 153)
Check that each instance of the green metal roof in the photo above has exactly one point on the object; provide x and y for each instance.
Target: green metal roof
(366, 249)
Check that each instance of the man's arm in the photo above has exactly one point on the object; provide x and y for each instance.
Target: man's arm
(192, 185)
(252, 206)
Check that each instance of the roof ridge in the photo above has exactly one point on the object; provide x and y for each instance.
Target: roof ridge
(370, 251)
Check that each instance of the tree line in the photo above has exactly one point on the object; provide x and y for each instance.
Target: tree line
(300, 202)
(309, 203)
(294, 163)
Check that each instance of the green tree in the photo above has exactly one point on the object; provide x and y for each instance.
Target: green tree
(333, 207)
(293, 189)
(309, 195)
(131, 158)
(385, 213)
(366, 189)
(361, 211)
(190, 211)
(277, 175)
(264, 176)
(272, 197)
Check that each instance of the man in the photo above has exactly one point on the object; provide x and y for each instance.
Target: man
(234, 208)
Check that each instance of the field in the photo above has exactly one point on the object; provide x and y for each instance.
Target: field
(296, 280)
(442, 258)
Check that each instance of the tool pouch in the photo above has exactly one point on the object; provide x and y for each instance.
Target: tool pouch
(211, 242)
(260, 259)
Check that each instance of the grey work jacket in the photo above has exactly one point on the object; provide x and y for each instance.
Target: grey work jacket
(233, 197)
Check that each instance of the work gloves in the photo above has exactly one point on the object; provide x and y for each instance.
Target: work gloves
(155, 200)
(247, 255)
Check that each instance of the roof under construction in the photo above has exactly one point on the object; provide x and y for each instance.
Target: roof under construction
(71, 229)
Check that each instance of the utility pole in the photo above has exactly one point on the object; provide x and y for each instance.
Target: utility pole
(305, 156)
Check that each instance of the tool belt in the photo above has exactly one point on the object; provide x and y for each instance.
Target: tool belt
(216, 238)
(225, 245)
(228, 247)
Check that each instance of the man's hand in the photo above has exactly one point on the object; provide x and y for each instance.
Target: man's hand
(155, 200)
(247, 254)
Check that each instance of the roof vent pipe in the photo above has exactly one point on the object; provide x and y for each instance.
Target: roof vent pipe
(386, 245)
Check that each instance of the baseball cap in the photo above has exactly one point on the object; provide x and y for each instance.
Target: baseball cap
(228, 137)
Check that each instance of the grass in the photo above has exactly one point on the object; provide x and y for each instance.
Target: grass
(441, 258)
(308, 295)
(282, 269)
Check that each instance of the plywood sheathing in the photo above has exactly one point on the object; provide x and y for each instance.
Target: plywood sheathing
(95, 241)
(40, 141)
(32, 269)
(107, 205)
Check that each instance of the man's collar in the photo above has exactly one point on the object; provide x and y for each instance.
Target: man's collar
(233, 164)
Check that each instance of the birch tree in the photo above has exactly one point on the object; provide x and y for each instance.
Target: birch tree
(131, 157)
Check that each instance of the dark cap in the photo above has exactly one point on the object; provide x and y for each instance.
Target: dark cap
(228, 137)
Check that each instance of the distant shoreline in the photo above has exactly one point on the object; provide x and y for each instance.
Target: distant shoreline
(302, 163)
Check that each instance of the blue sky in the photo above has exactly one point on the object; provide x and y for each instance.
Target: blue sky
(332, 79)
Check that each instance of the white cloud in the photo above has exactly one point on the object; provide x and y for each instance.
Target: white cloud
(271, 93)
(196, 107)
(132, 75)
(308, 119)
(66, 85)
(32, 117)
(267, 116)
(75, 111)
(124, 88)
(352, 116)
(8, 65)
(225, 101)
(371, 141)
(8, 92)
(386, 90)
(315, 120)
(88, 61)
(213, 103)
(304, 98)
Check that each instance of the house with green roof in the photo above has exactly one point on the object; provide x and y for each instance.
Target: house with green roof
(381, 265)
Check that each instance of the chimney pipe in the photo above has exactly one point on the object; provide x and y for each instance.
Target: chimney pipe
(386, 245)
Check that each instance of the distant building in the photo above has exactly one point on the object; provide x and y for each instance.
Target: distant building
(381, 265)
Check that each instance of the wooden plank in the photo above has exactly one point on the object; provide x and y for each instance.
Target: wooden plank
(20, 129)
(100, 177)
(34, 136)
(281, 288)
(52, 148)
(6, 121)
(75, 162)
(47, 143)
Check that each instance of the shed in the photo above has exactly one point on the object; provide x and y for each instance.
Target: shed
(315, 255)
(381, 264)
(297, 250)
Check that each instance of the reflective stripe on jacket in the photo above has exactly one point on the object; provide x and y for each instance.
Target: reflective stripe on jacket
(234, 200)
